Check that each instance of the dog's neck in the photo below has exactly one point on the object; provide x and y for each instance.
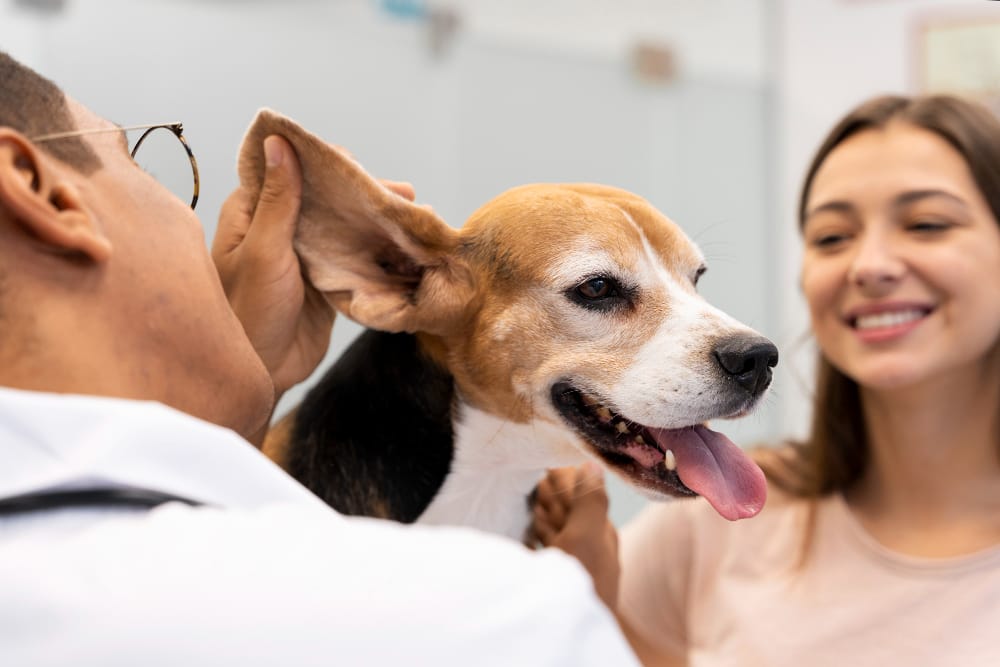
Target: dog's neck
(374, 436)
(386, 433)
(496, 466)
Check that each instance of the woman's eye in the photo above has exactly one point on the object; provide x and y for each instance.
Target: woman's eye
(929, 226)
(828, 241)
(596, 288)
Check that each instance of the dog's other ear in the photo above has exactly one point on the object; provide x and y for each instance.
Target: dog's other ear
(378, 258)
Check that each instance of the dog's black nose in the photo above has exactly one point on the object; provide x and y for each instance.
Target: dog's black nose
(748, 360)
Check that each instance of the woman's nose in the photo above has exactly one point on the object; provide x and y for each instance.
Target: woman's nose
(875, 264)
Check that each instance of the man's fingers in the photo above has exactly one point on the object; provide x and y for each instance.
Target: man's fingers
(552, 503)
(401, 188)
(559, 512)
(562, 480)
(277, 209)
(234, 221)
(589, 477)
(542, 528)
(543, 494)
(589, 492)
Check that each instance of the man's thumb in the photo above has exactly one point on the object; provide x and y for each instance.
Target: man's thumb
(280, 196)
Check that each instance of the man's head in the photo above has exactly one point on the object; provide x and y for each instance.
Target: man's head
(107, 284)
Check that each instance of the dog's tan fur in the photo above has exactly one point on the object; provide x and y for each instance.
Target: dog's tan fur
(464, 294)
(278, 439)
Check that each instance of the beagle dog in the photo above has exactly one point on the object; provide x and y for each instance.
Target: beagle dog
(560, 322)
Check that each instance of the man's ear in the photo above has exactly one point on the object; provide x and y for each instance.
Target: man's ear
(36, 197)
(378, 258)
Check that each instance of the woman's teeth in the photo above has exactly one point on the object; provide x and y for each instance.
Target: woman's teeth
(886, 320)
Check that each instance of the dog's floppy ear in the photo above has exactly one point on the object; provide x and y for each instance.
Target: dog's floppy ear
(378, 258)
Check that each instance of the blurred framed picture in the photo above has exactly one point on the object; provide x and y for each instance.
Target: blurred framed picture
(960, 55)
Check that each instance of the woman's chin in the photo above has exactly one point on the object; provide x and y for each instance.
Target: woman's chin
(887, 376)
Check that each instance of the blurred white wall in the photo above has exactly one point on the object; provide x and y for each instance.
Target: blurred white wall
(713, 38)
(528, 90)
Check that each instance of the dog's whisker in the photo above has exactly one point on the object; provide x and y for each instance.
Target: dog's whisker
(708, 228)
(721, 259)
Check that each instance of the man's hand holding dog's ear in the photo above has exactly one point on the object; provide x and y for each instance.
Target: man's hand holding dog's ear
(287, 320)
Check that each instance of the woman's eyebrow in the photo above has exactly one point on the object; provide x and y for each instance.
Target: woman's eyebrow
(836, 206)
(917, 195)
(904, 199)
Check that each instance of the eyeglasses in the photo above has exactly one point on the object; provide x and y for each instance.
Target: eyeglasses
(160, 158)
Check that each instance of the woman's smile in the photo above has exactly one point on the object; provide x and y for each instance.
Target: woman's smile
(884, 322)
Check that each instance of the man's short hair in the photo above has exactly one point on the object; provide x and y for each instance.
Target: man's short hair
(33, 105)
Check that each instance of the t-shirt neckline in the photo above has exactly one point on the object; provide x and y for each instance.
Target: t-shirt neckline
(986, 557)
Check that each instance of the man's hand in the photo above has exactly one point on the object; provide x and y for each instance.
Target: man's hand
(571, 513)
(287, 320)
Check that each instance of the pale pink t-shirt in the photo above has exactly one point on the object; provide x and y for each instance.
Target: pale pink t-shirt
(726, 593)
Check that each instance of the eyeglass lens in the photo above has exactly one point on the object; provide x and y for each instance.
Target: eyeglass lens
(162, 155)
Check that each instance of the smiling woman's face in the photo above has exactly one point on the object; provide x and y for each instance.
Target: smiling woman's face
(901, 267)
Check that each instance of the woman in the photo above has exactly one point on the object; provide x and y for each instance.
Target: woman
(880, 542)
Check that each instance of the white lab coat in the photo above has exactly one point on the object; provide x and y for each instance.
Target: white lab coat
(264, 574)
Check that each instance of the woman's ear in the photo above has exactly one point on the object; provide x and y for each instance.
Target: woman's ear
(37, 197)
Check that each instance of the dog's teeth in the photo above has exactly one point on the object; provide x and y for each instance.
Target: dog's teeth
(669, 460)
(588, 399)
(622, 427)
(604, 413)
(639, 440)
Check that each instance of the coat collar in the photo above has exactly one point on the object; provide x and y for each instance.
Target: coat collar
(59, 441)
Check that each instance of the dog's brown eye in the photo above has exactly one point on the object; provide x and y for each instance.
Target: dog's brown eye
(601, 293)
(595, 288)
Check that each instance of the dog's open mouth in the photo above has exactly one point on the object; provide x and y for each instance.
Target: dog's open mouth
(688, 461)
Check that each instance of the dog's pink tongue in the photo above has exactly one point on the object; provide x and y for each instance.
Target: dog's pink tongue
(713, 467)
